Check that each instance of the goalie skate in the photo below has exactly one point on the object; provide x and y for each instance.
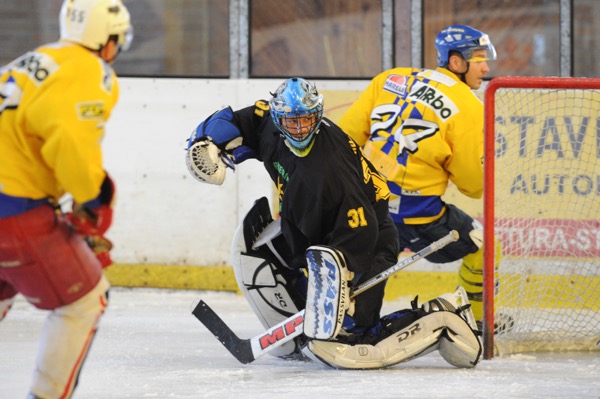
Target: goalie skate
(503, 323)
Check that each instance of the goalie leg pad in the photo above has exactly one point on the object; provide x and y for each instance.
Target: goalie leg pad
(459, 345)
(443, 330)
(409, 342)
(457, 302)
(273, 291)
(328, 294)
(445, 323)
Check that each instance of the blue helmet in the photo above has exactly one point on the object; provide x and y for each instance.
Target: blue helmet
(292, 101)
(465, 40)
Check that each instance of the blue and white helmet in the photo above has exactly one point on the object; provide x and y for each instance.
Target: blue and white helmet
(293, 99)
(465, 40)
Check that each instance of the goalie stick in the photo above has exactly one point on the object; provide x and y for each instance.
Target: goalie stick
(248, 350)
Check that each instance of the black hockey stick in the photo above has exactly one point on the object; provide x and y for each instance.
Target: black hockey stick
(248, 350)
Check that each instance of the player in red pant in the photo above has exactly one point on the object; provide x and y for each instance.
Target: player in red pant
(54, 103)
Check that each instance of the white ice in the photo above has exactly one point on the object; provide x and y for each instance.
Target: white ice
(150, 346)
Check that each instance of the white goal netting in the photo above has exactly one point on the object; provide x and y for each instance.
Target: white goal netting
(545, 206)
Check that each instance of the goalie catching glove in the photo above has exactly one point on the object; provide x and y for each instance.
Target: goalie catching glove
(205, 163)
(92, 219)
(216, 144)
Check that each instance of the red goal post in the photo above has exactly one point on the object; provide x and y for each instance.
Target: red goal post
(542, 214)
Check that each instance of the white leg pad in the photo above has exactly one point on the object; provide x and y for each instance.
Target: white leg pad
(65, 340)
(441, 330)
(459, 346)
(266, 290)
(459, 299)
(417, 339)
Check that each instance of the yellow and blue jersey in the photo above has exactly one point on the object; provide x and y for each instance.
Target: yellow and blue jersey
(54, 102)
(420, 128)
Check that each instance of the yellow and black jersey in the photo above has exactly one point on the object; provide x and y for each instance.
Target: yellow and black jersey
(420, 128)
(332, 196)
(54, 102)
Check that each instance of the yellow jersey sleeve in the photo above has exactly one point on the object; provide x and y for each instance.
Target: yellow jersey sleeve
(51, 141)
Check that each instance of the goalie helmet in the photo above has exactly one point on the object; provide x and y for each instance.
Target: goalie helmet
(465, 40)
(297, 109)
(92, 23)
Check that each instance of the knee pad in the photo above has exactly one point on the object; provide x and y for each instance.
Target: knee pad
(89, 305)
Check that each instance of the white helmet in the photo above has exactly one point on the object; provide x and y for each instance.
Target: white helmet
(92, 22)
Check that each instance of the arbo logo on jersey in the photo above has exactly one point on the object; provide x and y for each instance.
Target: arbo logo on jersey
(37, 65)
(429, 96)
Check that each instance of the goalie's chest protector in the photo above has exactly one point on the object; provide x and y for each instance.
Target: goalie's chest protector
(330, 169)
(313, 191)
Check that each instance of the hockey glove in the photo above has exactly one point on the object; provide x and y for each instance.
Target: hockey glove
(101, 247)
(221, 129)
(94, 217)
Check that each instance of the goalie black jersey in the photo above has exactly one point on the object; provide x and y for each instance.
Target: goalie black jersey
(332, 196)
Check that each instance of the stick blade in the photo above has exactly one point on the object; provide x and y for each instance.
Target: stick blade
(241, 349)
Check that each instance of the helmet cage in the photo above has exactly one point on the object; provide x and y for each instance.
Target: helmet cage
(297, 110)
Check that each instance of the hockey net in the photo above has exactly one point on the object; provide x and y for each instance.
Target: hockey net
(542, 203)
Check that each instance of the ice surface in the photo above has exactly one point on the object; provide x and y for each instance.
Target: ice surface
(150, 346)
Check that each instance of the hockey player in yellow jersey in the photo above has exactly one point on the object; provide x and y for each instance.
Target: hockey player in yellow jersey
(54, 102)
(422, 129)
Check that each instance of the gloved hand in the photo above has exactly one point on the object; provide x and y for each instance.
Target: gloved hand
(93, 218)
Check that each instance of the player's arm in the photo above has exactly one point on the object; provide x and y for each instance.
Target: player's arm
(466, 164)
(80, 103)
(71, 138)
(217, 143)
